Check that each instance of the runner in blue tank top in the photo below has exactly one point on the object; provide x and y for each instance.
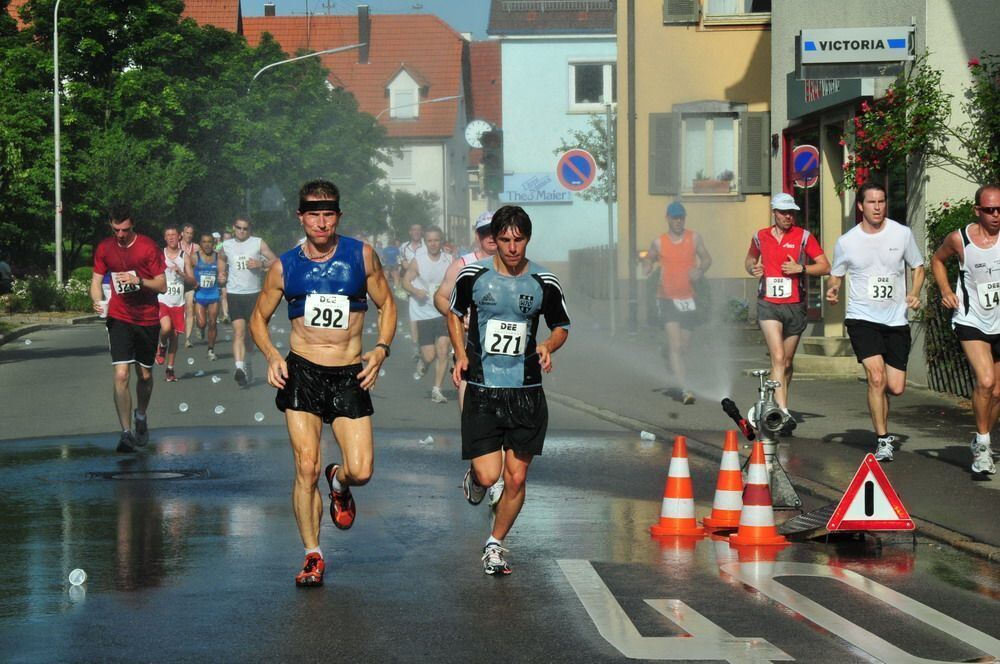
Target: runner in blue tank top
(206, 271)
(505, 415)
(326, 377)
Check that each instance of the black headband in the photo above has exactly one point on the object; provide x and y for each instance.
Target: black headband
(325, 205)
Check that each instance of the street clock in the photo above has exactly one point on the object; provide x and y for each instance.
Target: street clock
(474, 130)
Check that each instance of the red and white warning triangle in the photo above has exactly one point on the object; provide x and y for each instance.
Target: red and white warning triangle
(870, 503)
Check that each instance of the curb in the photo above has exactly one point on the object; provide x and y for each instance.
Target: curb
(37, 327)
(817, 489)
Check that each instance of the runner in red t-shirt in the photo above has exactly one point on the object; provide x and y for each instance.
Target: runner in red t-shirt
(778, 256)
(137, 272)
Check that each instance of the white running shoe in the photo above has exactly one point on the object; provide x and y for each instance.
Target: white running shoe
(494, 493)
(436, 395)
(473, 492)
(493, 562)
(883, 450)
(420, 370)
(211, 355)
(982, 460)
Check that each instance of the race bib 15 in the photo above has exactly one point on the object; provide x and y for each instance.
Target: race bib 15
(778, 287)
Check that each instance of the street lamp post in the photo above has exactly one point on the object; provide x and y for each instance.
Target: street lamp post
(58, 156)
(328, 51)
(418, 103)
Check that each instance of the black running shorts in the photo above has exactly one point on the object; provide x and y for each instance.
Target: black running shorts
(241, 306)
(791, 316)
(869, 339)
(132, 343)
(969, 333)
(495, 418)
(672, 313)
(329, 392)
(429, 331)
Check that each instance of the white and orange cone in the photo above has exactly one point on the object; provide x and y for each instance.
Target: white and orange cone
(757, 517)
(677, 511)
(728, 503)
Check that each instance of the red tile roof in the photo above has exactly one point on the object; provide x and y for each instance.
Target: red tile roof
(484, 103)
(419, 42)
(225, 14)
(14, 8)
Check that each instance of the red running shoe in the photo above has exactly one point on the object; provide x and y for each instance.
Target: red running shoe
(161, 354)
(342, 509)
(312, 571)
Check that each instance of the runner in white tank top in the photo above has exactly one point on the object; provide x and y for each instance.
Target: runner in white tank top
(423, 276)
(171, 302)
(976, 301)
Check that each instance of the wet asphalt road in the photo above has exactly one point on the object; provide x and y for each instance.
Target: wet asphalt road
(198, 564)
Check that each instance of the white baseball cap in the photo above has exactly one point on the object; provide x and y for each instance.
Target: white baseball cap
(783, 202)
(484, 219)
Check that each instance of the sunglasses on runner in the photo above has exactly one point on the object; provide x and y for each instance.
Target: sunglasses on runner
(989, 210)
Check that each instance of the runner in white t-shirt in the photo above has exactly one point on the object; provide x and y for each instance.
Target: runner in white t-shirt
(875, 254)
(976, 301)
(172, 302)
(248, 257)
(423, 276)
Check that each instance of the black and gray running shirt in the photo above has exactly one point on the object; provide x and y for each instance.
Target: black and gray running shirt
(503, 320)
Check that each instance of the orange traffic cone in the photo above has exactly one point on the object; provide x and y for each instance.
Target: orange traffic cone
(677, 511)
(757, 516)
(728, 503)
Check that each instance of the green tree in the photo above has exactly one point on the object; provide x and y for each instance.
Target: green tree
(157, 114)
(407, 209)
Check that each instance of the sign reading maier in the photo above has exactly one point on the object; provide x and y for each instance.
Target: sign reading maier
(829, 45)
(533, 188)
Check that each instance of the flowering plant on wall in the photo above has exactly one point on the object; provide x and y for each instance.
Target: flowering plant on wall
(912, 121)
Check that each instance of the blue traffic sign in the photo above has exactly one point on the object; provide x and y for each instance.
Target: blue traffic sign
(805, 166)
(576, 170)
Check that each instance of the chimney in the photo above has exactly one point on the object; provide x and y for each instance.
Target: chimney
(268, 9)
(364, 33)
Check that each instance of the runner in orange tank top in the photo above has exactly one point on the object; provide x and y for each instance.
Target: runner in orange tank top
(683, 260)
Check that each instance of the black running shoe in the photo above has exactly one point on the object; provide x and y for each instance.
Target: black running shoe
(126, 444)
(241, 377)
(141, 430)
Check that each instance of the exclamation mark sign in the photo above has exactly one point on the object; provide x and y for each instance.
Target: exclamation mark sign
(869, 498)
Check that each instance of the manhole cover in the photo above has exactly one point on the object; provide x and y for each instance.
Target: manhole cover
(149, 475)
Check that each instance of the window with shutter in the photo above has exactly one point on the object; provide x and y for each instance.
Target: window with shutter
(664, 153)
(755, 157)
(680, 11)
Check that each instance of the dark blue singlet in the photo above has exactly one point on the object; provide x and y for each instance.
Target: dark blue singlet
(341, 274)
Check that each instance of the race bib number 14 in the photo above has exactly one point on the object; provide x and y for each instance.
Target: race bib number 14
(989, 294)
(329, 312)
(506, 337)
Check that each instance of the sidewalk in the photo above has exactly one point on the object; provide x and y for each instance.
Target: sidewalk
(13, 326)
(624, 380)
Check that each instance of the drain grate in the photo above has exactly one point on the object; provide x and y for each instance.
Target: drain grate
(167, 474)
(808, 522)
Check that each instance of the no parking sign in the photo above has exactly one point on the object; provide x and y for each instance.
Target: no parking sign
(576, 170)
(805, 166)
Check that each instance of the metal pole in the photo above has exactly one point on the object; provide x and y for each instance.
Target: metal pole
(58, 156)
(633, 241)
(301, 57)
(612, 276)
